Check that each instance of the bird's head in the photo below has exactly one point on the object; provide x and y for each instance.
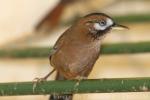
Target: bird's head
(98, 24)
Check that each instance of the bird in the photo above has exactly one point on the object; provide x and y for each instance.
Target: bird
(78, 48)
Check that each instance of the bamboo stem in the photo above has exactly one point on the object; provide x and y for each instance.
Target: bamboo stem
(70, 86)
(116, 48)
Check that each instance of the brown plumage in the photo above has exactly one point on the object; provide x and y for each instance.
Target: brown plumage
(78, 48)
(74, 49)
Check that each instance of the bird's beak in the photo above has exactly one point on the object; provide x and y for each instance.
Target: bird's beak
(119, 27)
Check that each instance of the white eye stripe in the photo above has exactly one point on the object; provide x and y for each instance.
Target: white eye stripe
(98, 26)
(109, 22)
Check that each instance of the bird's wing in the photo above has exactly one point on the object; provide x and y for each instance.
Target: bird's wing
(63, 39)
(59, 43)
(51, 53)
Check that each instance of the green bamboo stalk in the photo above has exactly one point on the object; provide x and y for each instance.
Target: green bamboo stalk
(115, 48)
(133, 18)
(126, 48)
(72, 86)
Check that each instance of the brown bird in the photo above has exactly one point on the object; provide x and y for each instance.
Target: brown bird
(78, 48)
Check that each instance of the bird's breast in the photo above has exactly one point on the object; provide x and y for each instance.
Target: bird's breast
(75, 57)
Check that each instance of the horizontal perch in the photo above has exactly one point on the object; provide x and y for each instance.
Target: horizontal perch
(133, 18)
(71, 86)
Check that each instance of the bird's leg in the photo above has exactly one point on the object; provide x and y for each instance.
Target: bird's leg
(79, 78)
(39, 80)
(45, 77)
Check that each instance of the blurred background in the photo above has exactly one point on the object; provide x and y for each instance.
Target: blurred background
(38, 23)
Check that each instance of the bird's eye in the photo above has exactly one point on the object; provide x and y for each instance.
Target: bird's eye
(102, 23)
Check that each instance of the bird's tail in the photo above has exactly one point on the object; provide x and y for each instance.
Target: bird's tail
(61, 96)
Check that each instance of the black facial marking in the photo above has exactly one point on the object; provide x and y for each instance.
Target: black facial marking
(96, 34)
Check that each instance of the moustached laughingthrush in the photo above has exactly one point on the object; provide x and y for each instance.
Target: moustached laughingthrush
(78, 48)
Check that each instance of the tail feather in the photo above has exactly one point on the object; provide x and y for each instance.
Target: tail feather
(61, 96)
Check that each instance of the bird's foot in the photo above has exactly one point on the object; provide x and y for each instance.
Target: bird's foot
(36, 81)
(79, 78)
(39, 80)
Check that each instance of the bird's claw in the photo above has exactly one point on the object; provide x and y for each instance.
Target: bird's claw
(36, 81)
(39, 80)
